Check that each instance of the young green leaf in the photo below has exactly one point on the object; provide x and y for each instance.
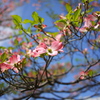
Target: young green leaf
(1, 47)
(37, 19)
(76, 14)
(27, 21)
(41, 20)
(17, 18)
(3, 57)
(68, 7)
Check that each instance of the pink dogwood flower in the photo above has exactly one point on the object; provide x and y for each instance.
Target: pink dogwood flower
(87, 23)
(88, 20)
(4, 67)
(25, 46)
(82, 29)
(51, 49)
(38, 51)
(43, 45)
(54, 48)
(83, 75)
(14, 59)
(58, 37)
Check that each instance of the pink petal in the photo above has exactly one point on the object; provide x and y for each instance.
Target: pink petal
(4, 67)
(83, 29)
(38, 51)
(43, 45)
(56, 45)
(14, 59)
(91, 17)
(15, 69)
(61, 50)
(58, 37)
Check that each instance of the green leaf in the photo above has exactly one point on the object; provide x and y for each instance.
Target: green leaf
(61, 23)
(90, 1)
(84, 1)
(16, 42)
(29, 30)
(91, 72)
(20, 32)
(53, 33)
(89, 10)
(1, 47)
(41, 20)
(61, 20)
(87, 0)
(68, 7)
(76, 14)
(15, 22)
(24, 62)
(37, 19)
(3, 57)
(27, 21)
(1, 86)
(10, 48)
(17, 18)
(69, 16)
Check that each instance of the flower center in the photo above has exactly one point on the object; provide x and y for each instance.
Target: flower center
(50, 50)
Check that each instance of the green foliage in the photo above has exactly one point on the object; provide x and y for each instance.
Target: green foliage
(16, 42)
(76, 14)
(71, 17)
(89, 10)
(10, 48)
(68, 7)
(91, 73)
(87, 1)
(2, 48)
(3, 57)
(1, 86)
(75, 17)
(24, 62)
(61, 23)
(53, 33)
(18, 23)
(27, 21)
(29, 30)
(17, 18)
(20, 32)
(37, 18)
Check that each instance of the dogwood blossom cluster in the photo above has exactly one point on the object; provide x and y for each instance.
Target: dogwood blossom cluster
(83, 75)
(90, 21)
(52, 47)
(86, 74)
(13, 60)
(11, 63)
